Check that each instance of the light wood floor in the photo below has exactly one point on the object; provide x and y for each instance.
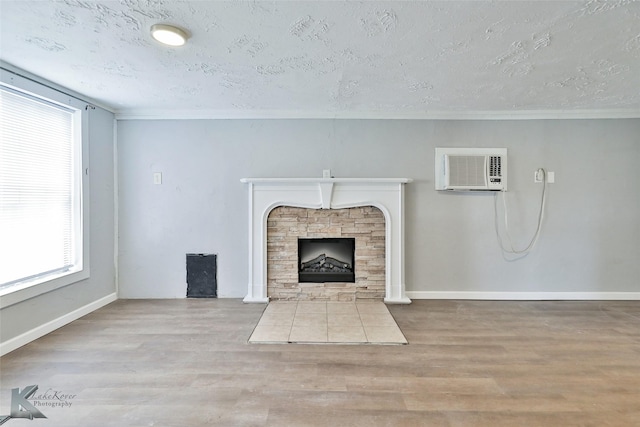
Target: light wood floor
(468, 363)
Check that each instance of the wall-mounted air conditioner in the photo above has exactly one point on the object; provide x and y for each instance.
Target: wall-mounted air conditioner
(471, 169)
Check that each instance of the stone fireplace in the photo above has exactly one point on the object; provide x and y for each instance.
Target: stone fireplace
(318, 202)
(342, 259)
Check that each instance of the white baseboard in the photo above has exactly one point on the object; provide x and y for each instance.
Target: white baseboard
(525, 296)
(251, 300)
(42, 330)
(400, 300)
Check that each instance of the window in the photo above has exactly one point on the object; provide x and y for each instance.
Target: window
(42, 238)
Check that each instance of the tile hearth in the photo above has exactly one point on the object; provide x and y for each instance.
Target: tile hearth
(327, 322)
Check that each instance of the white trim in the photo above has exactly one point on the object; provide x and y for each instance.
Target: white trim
(42, 330)
(401, 300)
(387, 194)
(204, 114)
(250, 300)
(116, 209)
(321, 181)
(524, 296)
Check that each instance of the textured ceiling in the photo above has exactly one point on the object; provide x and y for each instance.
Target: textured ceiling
(334, 58)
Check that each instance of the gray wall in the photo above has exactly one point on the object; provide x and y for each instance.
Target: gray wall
(35, 312)
(589, 241)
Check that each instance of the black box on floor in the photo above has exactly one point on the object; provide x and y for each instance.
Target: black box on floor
(201, 276)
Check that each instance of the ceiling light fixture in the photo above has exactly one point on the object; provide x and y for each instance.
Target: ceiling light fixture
(169, 35)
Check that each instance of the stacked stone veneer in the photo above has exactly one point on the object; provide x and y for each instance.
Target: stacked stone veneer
(286, 224)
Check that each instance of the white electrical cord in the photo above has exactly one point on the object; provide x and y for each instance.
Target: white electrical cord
(534, 239)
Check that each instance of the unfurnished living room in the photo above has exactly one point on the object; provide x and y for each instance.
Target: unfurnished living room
(319, 213)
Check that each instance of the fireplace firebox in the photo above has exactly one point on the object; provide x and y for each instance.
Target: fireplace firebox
(326, 260)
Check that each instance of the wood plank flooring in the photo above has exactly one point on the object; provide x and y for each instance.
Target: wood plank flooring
(468, 363)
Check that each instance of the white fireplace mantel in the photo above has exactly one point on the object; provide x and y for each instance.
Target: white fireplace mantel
(387, 194)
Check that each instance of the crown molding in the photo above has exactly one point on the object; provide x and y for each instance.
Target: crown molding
(203, 114)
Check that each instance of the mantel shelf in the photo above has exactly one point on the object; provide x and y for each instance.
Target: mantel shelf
(325, 180)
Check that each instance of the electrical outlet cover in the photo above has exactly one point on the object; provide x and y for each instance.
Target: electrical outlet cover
(537, 177)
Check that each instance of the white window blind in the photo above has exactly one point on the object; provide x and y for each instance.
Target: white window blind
(39, 189)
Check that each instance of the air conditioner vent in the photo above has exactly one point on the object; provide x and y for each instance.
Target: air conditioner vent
(471, 169)
(467, 170)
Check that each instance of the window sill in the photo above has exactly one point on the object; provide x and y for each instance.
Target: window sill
(30, 289)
